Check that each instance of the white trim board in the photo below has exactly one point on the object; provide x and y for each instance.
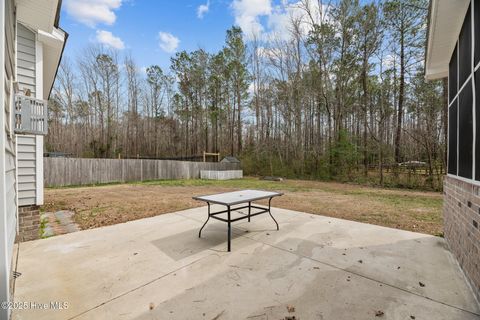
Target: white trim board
(39, 169)
(4, 263)
(471, 181)
(472, 75)
(38, 138)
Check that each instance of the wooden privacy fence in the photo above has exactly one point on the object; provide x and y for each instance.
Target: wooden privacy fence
(76, 171)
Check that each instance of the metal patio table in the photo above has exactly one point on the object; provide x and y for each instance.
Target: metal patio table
(230, 199)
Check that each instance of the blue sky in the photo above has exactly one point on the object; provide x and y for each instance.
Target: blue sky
(138, 23)
(153, 30)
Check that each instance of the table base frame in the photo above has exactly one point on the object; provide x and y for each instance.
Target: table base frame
(229, 220)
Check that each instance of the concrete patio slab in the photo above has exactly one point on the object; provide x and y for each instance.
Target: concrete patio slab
(325, 268)
(388, 255)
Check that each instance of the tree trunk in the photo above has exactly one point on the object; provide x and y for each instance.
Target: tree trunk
(401, 96)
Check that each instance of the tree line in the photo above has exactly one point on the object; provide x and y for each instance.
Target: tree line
(341, 95)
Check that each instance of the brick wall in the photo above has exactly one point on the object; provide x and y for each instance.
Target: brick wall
(461, 213)
(29, 223)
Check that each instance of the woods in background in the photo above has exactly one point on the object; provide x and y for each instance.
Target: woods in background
(341, 95)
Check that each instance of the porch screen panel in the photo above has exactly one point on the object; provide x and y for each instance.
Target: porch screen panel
(452, 76)
(476, 29)
(465, 50)
(477, 124)
(465, 131)
(452, 138)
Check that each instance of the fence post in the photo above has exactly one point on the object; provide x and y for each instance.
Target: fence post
(123, 170)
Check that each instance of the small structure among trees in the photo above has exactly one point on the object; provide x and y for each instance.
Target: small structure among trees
(230, 159)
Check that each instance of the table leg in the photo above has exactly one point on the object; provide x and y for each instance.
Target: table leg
(270, 213)
(229, 229)
(249, 210)
(200, 232)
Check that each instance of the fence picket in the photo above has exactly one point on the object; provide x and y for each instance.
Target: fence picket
(60, 172)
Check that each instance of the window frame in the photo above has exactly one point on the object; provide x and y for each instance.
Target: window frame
(460, 87)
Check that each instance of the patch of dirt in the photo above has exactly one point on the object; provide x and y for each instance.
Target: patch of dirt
(106, 205)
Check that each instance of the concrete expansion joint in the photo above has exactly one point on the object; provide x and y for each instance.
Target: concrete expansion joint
(364, 276)
(142, 285)
(154, 279)
(242, 234)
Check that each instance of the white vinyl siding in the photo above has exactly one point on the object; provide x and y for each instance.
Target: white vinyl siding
(26, 59)
(26, 156)
(10, 163)
(27, 144)
(8, 193)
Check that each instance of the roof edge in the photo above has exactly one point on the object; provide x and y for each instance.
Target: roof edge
(59, 60)
(57, 14)
(445, 20)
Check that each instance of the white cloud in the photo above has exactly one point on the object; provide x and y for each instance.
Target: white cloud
(251, 89)
(280, 21)
(388, 61)
(168, 42)
(108, 39)
(247, 15)
(93, 12)
(203, 9)
(277, 20)
(269, 53)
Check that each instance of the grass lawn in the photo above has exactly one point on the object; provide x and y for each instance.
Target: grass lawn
(96, 206)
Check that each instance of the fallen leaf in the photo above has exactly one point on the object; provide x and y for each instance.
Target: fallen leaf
(379, 313)
(218, 315)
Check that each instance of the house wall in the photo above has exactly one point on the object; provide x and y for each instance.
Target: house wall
(8, 204)
(26, 60)
(462, 184)
(29, 223)
(27, 180)
(10, 157)
(462, 226)
(30, 161)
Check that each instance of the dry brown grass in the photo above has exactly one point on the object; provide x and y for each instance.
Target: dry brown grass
(110, 204)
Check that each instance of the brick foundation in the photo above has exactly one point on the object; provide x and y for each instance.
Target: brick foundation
(461, 214)
(29, 223)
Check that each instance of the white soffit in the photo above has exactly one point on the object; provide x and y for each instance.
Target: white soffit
(446, 18)
(52, 53)
(37, 14)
